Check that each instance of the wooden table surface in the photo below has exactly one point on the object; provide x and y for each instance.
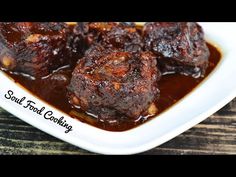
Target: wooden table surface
(215, 135)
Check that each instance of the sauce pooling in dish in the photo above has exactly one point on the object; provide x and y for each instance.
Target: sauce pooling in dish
(173, 87)
(113, 75)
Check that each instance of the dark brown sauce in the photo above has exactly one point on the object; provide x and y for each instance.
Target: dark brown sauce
(172, 87)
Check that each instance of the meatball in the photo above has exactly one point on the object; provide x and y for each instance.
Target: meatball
(107, 82)
(180, 47)
(33, 48)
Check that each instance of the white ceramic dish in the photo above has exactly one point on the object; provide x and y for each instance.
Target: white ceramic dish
(215, 91)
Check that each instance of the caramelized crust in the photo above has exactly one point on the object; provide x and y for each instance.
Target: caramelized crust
(179, 46)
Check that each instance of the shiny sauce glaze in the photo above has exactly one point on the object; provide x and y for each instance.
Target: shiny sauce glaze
(52, 89)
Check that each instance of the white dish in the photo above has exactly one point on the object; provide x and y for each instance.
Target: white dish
(212, 94)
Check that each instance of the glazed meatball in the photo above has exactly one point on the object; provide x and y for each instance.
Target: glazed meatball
(180, 47)
(107, 82)
(33, 48)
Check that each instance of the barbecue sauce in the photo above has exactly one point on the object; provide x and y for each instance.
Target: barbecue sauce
(52, 89)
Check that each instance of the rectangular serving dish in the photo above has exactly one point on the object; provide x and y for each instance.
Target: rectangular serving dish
(212, 94)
